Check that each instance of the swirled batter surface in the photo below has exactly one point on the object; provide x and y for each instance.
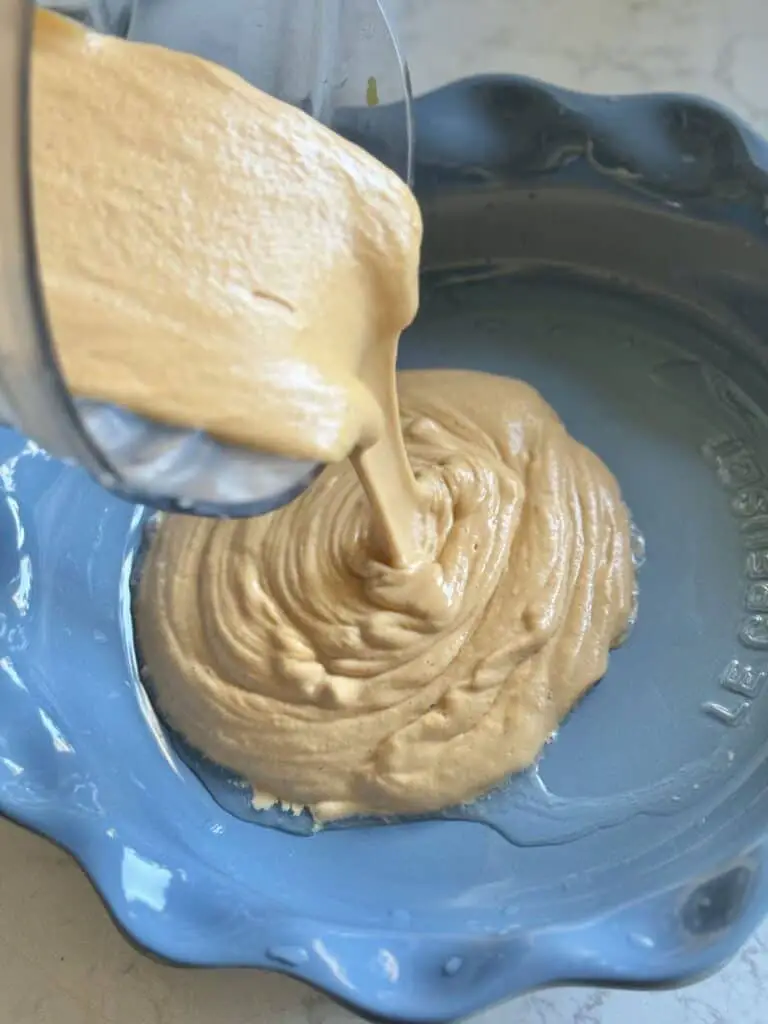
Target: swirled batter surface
(282, 648)
(413, 628)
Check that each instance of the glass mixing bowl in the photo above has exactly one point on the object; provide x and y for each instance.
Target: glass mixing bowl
(336, 59)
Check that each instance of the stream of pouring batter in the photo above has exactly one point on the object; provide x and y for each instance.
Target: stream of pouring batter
(214, 259)
(385, 472)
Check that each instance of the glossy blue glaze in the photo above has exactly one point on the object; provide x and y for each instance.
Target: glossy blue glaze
(635, 852)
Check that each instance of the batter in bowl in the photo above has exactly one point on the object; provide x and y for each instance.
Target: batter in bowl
(413, 628)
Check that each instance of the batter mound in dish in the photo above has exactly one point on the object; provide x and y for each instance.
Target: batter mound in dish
(287, 651)
(413, 628)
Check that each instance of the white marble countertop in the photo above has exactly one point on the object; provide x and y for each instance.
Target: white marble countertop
(61, 959)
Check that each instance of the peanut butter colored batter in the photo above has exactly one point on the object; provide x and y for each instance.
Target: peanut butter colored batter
(398, 646)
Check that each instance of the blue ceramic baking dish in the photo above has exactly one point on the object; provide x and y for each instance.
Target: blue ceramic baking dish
(611, 251)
